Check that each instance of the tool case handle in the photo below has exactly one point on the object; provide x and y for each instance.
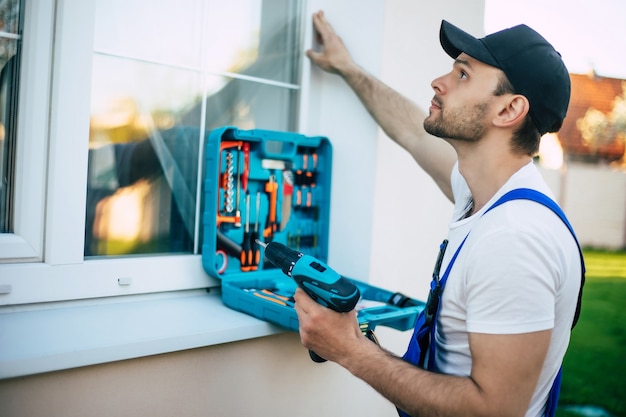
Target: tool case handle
(276, 144)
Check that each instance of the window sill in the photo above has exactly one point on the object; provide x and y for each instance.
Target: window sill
(37, 339)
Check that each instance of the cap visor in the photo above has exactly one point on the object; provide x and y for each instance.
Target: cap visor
(454, 41)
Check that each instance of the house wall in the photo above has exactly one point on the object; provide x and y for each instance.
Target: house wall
(271, 376)
(411, 214)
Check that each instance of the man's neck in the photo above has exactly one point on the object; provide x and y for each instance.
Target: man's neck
(487, 169)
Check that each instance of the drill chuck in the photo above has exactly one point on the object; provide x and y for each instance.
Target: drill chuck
(282, 256)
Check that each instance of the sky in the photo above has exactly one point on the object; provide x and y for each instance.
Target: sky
(589, 34)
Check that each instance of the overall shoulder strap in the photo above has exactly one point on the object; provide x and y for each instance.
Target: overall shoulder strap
(534, 195)
(524, 194)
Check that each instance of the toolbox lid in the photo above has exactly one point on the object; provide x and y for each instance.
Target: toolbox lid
(277, 175)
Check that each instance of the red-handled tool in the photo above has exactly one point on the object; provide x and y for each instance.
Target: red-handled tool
(271, 188)
(246, 166)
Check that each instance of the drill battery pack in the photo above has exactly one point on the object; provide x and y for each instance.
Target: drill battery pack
(272, 186)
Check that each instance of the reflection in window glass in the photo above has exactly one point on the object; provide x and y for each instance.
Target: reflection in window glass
(262, 38)
(156, 93)
(10, 29)
(136, 131)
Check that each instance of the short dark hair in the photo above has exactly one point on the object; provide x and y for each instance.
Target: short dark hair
(527, 137)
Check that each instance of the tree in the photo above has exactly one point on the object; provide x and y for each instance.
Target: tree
(599, 129)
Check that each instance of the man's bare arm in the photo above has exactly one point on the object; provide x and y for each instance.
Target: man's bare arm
(400, 118)
(503, 378)
(505, 368)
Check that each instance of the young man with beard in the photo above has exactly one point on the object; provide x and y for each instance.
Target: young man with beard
(505, 316)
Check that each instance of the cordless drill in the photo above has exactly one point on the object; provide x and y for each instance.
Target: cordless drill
(317, 279)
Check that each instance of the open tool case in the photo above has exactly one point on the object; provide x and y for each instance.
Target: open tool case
(275, 186)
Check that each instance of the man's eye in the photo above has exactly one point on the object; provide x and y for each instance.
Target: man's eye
(463, 74)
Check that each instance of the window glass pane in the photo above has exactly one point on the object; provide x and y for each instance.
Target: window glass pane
(250, 37)
(9, 71)
(249, 105)
(149, 120)
(141, 124)
(161, 31)
(262, 38)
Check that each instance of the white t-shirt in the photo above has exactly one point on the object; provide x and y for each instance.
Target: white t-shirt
(518, 272)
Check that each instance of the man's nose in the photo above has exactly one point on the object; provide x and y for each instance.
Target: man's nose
(438, 85)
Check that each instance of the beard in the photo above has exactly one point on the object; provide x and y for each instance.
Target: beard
(464, 124)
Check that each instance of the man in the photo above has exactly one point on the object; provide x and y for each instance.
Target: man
(505, 316)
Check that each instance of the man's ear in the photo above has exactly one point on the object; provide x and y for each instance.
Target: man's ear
(513, 111)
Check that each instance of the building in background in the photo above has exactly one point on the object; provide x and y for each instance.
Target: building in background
(592, 93)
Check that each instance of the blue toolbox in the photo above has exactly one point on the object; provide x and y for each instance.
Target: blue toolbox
(272, 186)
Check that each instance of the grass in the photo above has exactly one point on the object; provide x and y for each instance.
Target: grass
(594, 369)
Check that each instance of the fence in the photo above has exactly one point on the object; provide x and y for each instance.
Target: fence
(594, 199)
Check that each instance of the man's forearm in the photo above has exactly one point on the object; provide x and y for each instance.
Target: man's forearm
(403, 121)
(417, 392)
(400, 118)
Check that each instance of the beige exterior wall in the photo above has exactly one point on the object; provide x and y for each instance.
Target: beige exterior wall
(272, 376)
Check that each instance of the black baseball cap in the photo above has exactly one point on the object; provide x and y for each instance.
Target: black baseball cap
(530, 63)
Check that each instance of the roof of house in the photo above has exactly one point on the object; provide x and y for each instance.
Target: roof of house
(589, 91)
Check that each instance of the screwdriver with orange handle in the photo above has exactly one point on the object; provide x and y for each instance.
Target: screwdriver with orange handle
(246, 166)
(246, 246)
(271, 187)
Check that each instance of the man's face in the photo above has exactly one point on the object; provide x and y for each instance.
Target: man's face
(461, 108)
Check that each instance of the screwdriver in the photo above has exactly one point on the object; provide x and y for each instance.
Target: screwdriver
(271, 187)
(255, 254)
(246, 246)
(317, 279)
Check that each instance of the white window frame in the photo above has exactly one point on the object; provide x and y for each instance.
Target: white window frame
(50, 264)
(59, 310)
(26, 243)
